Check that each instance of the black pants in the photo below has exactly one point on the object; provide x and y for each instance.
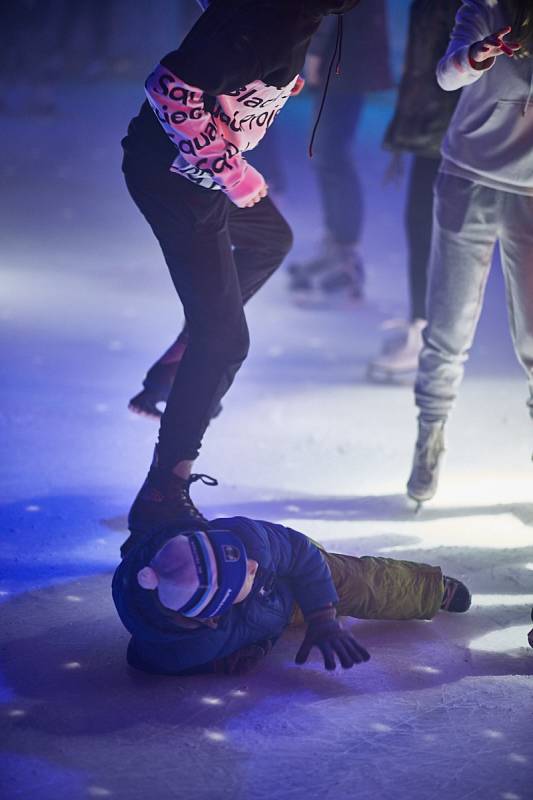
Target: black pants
(419, 223)
(218, 256)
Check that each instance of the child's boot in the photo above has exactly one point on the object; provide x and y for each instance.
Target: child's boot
(456, 596)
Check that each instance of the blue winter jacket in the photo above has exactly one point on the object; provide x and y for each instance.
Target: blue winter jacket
(291, 570)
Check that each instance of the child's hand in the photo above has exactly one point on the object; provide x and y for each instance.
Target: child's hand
(325, 632)
(490, 48)
(258, 197)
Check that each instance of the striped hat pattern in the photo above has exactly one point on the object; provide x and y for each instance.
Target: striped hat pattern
(198, 574)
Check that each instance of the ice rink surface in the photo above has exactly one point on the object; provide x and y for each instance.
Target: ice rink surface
(444, 708)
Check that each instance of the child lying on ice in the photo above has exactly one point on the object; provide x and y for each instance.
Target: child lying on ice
(215, 601)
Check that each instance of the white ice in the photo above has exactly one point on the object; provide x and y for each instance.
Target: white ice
(444, 708)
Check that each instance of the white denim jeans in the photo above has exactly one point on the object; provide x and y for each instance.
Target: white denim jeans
(468, 220)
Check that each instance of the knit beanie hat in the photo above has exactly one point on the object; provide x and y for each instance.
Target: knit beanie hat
(198, 574)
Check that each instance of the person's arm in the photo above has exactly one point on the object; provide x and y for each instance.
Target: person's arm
(180, 109)
(297, 559)
(300, 561)
(473, 48)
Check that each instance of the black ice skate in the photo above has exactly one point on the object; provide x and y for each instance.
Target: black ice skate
(163, 500)
(457, 597)
(157, 386)
(334, 278)
(423, 481)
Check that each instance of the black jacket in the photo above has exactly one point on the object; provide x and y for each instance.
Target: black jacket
(365, 64)
(232, 43)
(423, 110)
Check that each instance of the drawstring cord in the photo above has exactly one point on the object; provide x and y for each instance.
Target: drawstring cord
(340, 33)
(335, 59)
(530, 93)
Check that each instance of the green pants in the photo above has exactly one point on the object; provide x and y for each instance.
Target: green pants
(383, 588)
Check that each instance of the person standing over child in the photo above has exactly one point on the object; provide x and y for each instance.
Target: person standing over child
(483, 195)
(207, 103)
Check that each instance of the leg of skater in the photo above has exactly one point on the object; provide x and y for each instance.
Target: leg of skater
(516, 249)
(399, 357)
(337, 273)
(192, 229)
(418, 226)
(465, 229)
(261, 238)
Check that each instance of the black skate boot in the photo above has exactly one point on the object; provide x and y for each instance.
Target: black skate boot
(157, 386)
(163, 500)
(456, 596)
(334, 278)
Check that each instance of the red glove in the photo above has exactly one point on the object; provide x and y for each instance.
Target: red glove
(324, 631)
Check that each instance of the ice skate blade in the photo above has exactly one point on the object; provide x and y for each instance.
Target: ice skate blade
(145, 406)
(377, 374)
(416, 503)
(318, 302)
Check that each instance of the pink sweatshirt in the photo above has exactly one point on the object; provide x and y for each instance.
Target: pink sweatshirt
(210, 144)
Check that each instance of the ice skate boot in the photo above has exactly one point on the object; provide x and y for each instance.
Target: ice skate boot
(157, 386)
(456, 597)
(398, 360)
(424, 478)
(163, 500)
(335, 278)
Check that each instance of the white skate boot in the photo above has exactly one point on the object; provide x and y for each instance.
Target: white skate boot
(429, 449)
(333, 279)
(398, 360)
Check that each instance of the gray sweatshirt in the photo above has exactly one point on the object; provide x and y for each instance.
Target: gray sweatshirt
(490, 138)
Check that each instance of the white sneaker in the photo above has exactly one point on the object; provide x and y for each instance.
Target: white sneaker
(398, 359)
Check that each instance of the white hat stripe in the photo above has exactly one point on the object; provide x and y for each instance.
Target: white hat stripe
(212, 574)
